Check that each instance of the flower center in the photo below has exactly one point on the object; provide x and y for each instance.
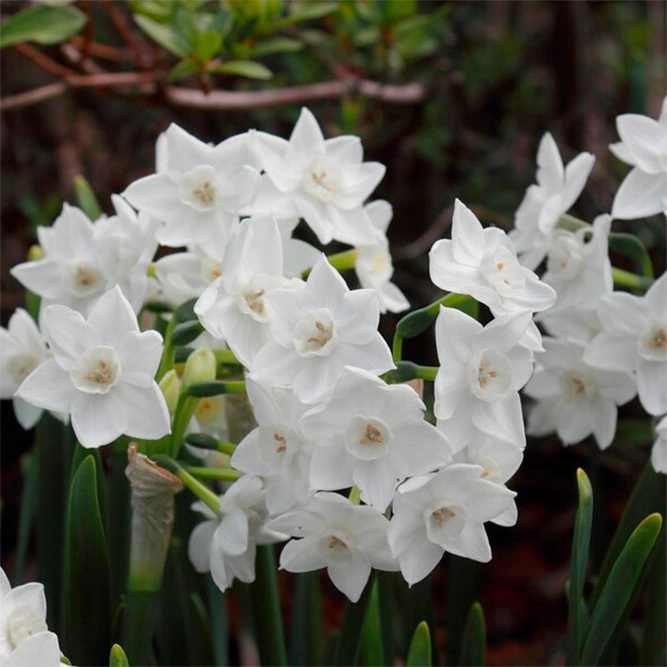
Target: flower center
(336, 546)
(97, 371)
(566, 257)
(197, 188)
(652, 345)
(21, 365)
(210, 269)
(367, 438)
(315, 333)
(491, 470)
(444, 523)
(250, 300)
(489, 375)
(24, 622)
(578, 385)
(501, 269)
(323, 179)
(83, 279)
(210, 409)
(278, 445)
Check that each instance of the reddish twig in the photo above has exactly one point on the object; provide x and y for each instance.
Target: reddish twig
(99, 50)
(424, 242)
(43, 61)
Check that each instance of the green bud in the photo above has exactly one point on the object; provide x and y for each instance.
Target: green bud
(200, 367)
(171, 388)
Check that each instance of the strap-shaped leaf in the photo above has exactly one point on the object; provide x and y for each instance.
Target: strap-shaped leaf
(117, 657)
(473, 641)
(577, 611)
(306, 646)
(347, 645)
(620, 588)
(86, 199)
(86, 599)
(371, 649)
(419, 654)
(43, 24)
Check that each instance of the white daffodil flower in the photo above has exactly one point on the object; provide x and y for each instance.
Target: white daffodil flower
(22, 616)
(634, 339)
(483, 263)
(317, 331)
(102, 373)
(557, 188)
(22, 349)
(574, 398)
(445, 511)
(277, 449)
(499, 461)
(578, 266)
(226, 544)
(374, 267)
(322, 181)
(233, 307)
(82, 260)
(643, 145)
(659, 449)
(38, 650)
(348, 539)
(371, 435)
(578, 324)
(481, 372)
(199, 189)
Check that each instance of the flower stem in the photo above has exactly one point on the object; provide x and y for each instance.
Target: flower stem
(169, 351)
(224, 474)
(418, 321)
(397, 347)
(626, 279)
(341, 261)
(200, 490)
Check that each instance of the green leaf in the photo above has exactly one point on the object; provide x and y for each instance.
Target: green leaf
(277, 45)
(577, 611)
(631, 246)
(216, 388)
(310, 10)
(186, 311)
(347, 646)
(207, 45)
(246, 68)
(473, 641)
(30, 468)
(187, 67)
(44, 25)
(86, 601)
(186, 332)
(117, 657)
(164, 35)
(620, 588)
(654, 639)
(462, 591)
(307, 642)
(86, 198)
(419, 654)
(371, 648)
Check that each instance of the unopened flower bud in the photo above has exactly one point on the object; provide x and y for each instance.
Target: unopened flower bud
(200, 367)
(171, 388)
(35, 252)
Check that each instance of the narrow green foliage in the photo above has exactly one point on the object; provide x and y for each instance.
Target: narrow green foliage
(620, 589)
(186, 312)
(248, 69)
(347, 645)
(216, 388)
(86, 601)
(307, 644)
(186, 332)
(86, 199)
(577, 614)
(631, 246)
(117, 657)
(165, 35)
(371, 652)
(30, 466)
(654, 638)
(41, 24)
(473, 641)
(419, 654)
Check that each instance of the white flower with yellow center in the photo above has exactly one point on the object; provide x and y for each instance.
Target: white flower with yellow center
(634, 340)
(322, 181)
(332, 532)
(575, 399)
(199, 189)
(102, 373)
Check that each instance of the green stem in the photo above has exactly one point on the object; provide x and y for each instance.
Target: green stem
(224, 474)
(139, 613)
(626, 279)
(184, 410)
(200, 490)
(570, 223)
(427, 373)
(418, 321)
(226, 357)
(168, 354)
(397, 347)
(341, 261)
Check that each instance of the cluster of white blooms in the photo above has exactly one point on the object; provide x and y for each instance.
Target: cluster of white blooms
(341, 463)
(25, 640)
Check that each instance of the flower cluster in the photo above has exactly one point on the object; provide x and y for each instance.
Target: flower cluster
(337, 460)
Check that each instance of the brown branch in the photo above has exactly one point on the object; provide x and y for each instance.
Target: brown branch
(99, 50)
(146, 84)
(43, 61)
(424, 242)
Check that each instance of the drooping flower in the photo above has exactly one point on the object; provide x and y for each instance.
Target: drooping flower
(634, 339)
(371, 435)
(277, 449)
(444, 512)
(22, 349)
(481, 372)
(575, 399)
(317, 331)
(557, 188)
(348, 539)
(199, 189)
(322, 181)
(642, 145)
(102, 373)
(374, 267)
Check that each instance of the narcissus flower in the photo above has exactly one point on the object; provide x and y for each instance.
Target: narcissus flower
(317, 331)
(348, 539)
(634, 339)
(642, 145)
(102, 373)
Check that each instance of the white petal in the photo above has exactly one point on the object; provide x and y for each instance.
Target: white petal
(331, 468)
(657, 294)
(98, 419)
(68, 334)
(139, 355)
(467, 236)
(640, 195)
(419, 559)
(40, 649)
(377, 481)
(146, 411)
(306, 139)
(612, 353)
(232, 536)
(301, 556)
(157, 195)
(644, 138)
(112, 317)
(576, 174)
(199, 545)
(604, 421)
(49, 387)
(350, 577)
(502, 419)
(472, 542)
(28, 595)
(27, 415)
(652, 385)
(550, 171)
